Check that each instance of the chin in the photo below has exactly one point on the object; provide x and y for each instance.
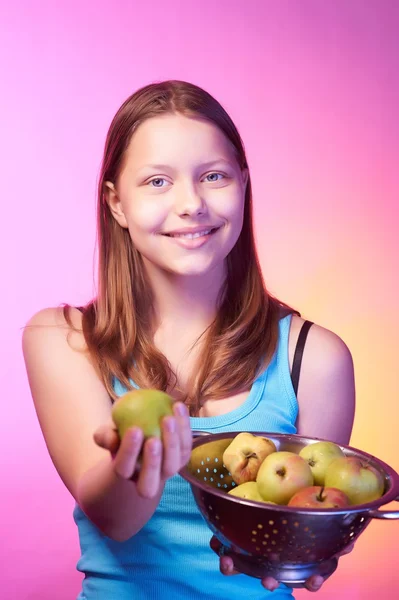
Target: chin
(193, 270)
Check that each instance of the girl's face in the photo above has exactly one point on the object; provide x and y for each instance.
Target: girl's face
(180, 194)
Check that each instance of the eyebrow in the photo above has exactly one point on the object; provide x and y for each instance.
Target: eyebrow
(206, 165)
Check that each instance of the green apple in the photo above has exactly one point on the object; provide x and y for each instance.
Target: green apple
(142, 408)
(281, 475)
(244, 455)
(249, 491)
(319, 455)
(359, 480)
(319, 497)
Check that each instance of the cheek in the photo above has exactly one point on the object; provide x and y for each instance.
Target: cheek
(145, 215)
(232, 209)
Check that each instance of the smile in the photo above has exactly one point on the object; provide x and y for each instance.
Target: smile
(192, 240)
(193, 236)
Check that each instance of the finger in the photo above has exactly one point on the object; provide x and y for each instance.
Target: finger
(215, 544)
(314, 583)
(346, 550)
(150, 472)
(106, 437)
(270, 583)
(126, 458)
(184, 431)
(226, 566)
(171, 447)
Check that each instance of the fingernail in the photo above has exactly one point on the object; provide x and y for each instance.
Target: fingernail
(171, 425)
(317, 581)
(155, 447)
(135, 434)
(181, 409)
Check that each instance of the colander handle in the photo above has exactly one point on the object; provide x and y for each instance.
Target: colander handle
(384, 514)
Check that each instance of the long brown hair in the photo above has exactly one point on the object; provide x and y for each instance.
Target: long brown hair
(116, 324)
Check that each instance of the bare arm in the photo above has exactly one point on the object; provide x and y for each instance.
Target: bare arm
(326, 392)
(73, 407)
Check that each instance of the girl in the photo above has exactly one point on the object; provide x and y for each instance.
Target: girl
(182, 307)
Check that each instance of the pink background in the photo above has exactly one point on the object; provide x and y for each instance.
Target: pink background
(314, 90)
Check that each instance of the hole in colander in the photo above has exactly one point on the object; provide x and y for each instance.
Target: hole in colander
(275, 530)
(208, 459)
(253, 539)
(221, 476)
(204, 478)
(215, 470)
(264, 543)
(254, 532)
(260, 526)
(284, 521)
(271, 522)
(266, 535)
(216, 460)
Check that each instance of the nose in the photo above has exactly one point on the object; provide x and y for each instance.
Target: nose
(189, 201)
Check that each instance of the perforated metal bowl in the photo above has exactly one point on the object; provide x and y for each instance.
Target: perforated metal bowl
(289, 544)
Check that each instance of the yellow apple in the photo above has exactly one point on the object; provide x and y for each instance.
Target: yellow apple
(359, 480)
(249, 491)
(244, 455)
(319, 455)
(281, 475)
(142, 408)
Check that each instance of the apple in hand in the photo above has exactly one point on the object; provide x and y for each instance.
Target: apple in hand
(281, 475)
(319, 497)
(359, 480)
(142, 408)
(249, 491)
(319, 455)
(245, 454)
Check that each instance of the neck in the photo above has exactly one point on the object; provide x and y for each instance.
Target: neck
(185, 299)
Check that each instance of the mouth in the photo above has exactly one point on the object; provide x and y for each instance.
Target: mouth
(193, 235)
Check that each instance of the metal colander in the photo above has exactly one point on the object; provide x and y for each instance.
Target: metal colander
(289, 544)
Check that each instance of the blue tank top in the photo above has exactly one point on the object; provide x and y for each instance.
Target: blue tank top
(170, 557)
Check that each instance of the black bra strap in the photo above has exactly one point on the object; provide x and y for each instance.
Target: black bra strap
(300, 346)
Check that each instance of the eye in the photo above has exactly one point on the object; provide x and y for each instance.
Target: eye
(213, 180)
(158, 181)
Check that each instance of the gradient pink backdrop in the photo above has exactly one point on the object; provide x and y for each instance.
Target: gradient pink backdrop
(314, 89)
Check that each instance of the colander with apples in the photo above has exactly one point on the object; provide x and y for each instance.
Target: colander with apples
(287, 505)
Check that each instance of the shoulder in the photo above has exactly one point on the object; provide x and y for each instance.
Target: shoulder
(326, 392)
(54, 318)
(324, 349)
(50, 323)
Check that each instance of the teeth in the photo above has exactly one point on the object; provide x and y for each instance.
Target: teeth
(192, 236)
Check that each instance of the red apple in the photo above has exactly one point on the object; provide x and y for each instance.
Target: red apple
(317, 496)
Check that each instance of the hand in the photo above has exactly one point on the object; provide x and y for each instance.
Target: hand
(160, 459)
(226, 565)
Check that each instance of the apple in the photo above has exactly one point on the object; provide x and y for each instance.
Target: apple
(359, 480)
(319, 455)
(142, 408)
(281, 475)
(244, 455)
(249, 491)
(319, 497)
